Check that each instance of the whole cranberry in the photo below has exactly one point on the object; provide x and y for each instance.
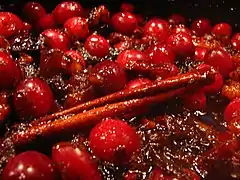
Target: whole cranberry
(74, 163)
(33, 98)
(236, 41)
(33, 12)
(222, 30)
(181, 28)
(10, 24)
(201, 26)
(67, 10)
(114, 140)
(77, 28)
(181, 43)
(221, 60)
(56, 39)
(232, 110)
(157, 28)
(46, 22)
(127, 7)
(195, 101)
(123, 45)
(160, 53)
(108, 76)
(9, 71)
(30, 165)
(124, 22)
(138, 82)
(200, 53)
(176, 19)
(97, 45)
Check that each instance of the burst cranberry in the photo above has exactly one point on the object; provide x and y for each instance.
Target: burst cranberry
(176, 19)
(33, 98)
(200, 53)
(9, 71)
(181, 28)
(201, 26)
(124, 22)
(108, 76)
(232, 110)
(222, 30)
(67, 10)
(10, 24)
(30, 165)
(236, 41)
(114, 141)
(221, 60)
(46, 22)
(56, 39)
(77, 28)
(182, 44)
(33, 11)
(195, 101)
(127, 7)
(97, 45)
(157, 28)
(138, 82)
(74, 163)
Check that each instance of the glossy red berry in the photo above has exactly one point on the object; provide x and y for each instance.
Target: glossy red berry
(181, 43)
(97, 45)
(176, 19)
(124, 22)
(26, 27)
(181, 28)
(77, 28)
(114, 141)
(232, 110)
(201, 26)
(236, 41)
(138, 82)
(200, 53)
(74, 163)
(33, 12)
(33, 98)
(123, 45)
(10, 24)
(67, 10)
(9, 71)
(195, 101)
(222, 30)
(127, 7)
(56, 39)
(46, 22)
(220, 60)
(29, 165)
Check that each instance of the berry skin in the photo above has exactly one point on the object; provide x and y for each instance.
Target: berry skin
(114, 141)
(46, 22)
(195, 101)
(200, 53)
(127, 7)
(181, 28)
(236, 41)
(176, 19)
(222, 30)
(33, 12)
(232, 110)
(201, 26)
(138, 82)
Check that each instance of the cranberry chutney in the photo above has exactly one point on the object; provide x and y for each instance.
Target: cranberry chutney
(95, 93)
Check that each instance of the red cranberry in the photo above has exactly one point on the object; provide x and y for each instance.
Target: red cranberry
(157, 174)
(26, 27)
(46, 22)
(67, 10)
(200, 53)
(137, 83)
(77, 28)
(74, 163)
(108, 76)
(124, 22)
(127, 57)
(195, 101)
(114, 141)
(10, 24)
(123, 45)
(234, 125)
(33, 98)
(127, 7)
(9, 71)
(232, 110)
(4, 106)
(176, 19)
(33, 11)
(97, 45)
(222, 30)
(56, 39)
(221, 60)
(182, 44)
(236, 41)
(29, 165)
(201, 26)
(181, 28)
(157, 28)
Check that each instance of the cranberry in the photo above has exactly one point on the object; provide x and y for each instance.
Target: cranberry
(181, 43)
(127, 57)
(166, 70)
(46, 22)
(124, 22)
(77, 28)
(221, 60)
(33, 11)
(56, 39)
(74, 163)
(181, 28)
(157, 28)
(127, 7)
(114, 141)
(201, 26)
(123, 45)
(200, 53)
(9, 70)
(176, 19)
(195, 101)
(138, 82)
(67, 10)
(26, 27)
(30, 165)
(97, 45)
(232, 110)
(33, 98)
(4, 106)
(236, 41)
(160, 54)
(222, 30)
(191, 174)
(73, 62)
(108, 76)
(10, 24)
